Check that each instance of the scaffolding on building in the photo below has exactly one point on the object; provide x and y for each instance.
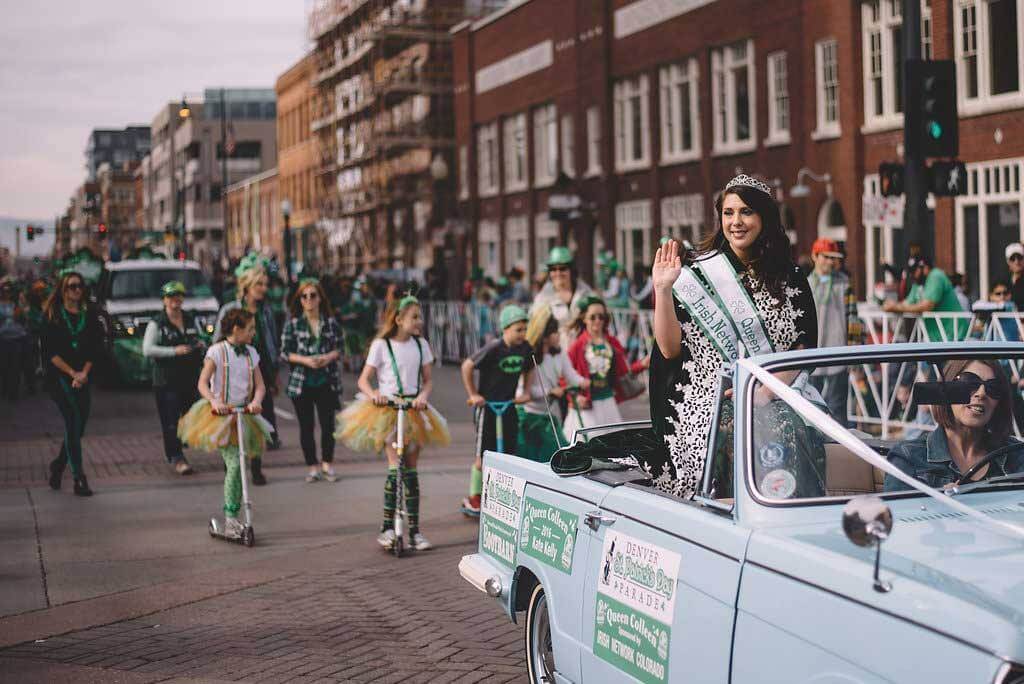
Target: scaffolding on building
(383, 111)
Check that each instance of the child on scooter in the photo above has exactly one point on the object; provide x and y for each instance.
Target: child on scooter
(537, 439)
(230, 378)
(501, 362)
(401, 360)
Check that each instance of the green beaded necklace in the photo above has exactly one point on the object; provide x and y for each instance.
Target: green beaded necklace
(74, 328)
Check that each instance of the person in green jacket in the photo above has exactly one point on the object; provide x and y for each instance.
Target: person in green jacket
(932, 290)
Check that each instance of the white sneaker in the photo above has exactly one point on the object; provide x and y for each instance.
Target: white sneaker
(313, 476)
(328, 473)
(233, 528)
(420, 543)
(386, 538)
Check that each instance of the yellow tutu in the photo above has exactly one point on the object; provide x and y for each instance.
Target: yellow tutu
(201, 428)
(364, 426)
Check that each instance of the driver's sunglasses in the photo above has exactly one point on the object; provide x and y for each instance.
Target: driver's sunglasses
(73, 286)
(310, 295)
(973, 382)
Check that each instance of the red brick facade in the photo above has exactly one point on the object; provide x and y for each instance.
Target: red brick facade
(587, 59)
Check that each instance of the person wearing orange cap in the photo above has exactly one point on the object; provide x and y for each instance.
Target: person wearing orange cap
(829, 286)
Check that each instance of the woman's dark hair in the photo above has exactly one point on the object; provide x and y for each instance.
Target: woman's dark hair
(55, 301)
(235, 318)
(295, 306)
(1002, 419)
(579, 324)
(773, 262)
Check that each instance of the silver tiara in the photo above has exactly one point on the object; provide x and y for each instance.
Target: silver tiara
(750, 182)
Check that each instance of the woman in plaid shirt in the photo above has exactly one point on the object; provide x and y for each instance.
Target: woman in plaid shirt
(311, 344)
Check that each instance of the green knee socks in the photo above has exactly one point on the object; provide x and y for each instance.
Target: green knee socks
(411, 482)
(476, 481)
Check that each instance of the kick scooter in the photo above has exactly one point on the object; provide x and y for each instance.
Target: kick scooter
(498, 408)
(401, 519)
(248, 537)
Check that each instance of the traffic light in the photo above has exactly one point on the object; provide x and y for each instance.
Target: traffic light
(890, 179)
(932, 123)
(947, 178)
(30, 233)
(103, 230)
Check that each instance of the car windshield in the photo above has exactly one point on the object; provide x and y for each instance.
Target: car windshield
(952, 422)
(146, 284)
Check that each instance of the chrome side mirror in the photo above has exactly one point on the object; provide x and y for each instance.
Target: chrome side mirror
(867, 521)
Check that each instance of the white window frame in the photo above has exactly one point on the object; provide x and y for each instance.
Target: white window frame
(545, 236)
(517, 235)
(463, 172)
(593, 141)
(826, 75)
(724, 63)
(488, 175)
(567, 155)
(631, 217)
(779, 111)
(545, 145)
(517, 158)
(682, 217)
(989, 182)
(672, 79)
(630, 93)
(489, 247)
(880, 19)
(984, 102)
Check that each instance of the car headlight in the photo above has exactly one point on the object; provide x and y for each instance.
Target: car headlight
(124, 325)
(1010, 673)
(205, 323)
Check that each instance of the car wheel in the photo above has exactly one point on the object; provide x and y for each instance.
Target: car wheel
(540, 656)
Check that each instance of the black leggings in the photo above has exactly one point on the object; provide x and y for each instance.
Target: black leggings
(269, 377)
(323, 401)
(74, 406)
(172, 403)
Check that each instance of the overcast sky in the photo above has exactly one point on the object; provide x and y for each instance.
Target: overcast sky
(69, 66)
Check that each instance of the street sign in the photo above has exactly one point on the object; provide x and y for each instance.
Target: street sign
(563, 203)
(947, 179)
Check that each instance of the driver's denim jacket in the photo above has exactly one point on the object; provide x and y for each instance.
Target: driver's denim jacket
(927, 459)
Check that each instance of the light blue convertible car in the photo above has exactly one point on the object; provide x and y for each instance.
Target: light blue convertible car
(883, 545)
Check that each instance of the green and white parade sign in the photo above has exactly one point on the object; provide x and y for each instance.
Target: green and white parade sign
(500, 511)
(636, 597)
(548, 534)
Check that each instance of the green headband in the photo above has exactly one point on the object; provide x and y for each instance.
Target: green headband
(407, 301)
(309, 281)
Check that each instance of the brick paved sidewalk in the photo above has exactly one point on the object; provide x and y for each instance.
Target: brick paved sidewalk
(382, 620)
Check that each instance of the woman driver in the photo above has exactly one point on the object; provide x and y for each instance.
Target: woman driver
(966, 433)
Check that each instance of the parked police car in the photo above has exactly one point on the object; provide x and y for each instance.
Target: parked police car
(814, 550)
(129, 292)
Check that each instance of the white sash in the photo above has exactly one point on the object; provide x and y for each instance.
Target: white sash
(725, 313)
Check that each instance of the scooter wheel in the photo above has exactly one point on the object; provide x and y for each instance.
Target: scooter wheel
(248, 537)
(212, 528)
(397, 547)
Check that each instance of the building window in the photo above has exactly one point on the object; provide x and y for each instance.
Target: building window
(778, 99)
(487, 155)
(634, 223)
(632, 129)
(882, 22)
(593, 141)
(516, 177)
(732, 92)
(463, 172)
(568, 156)
(489, 246)
(545, 233)
(215, 192)
(517, 241)
(827, 87)
(545, 145)
(679, 114)
(989, 53)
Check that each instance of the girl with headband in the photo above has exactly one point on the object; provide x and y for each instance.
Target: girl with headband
(402, 361)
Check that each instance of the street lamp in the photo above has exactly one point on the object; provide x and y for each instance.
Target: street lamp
(802, 190)
(183, 114)
(286, 211)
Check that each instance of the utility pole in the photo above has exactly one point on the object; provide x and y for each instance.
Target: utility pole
(224, 174)
(915, 211)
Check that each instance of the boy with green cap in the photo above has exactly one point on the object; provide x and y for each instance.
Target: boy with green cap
(501, 363)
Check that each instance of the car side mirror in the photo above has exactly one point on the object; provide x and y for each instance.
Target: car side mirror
(867, 521)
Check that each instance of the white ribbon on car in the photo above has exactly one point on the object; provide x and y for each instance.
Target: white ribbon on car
(724, 312)
(822, 421)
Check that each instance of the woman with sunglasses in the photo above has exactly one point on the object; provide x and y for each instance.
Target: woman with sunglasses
(598, 357)
(563, 292)
(311, 343)
(966, 432)
(72, 341)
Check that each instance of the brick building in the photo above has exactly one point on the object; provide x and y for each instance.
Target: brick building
(254, 215)
(649, 107)
(297, 162)
(117, 201)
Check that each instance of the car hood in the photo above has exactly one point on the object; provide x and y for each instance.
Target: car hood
(949, 573)
(117, 307)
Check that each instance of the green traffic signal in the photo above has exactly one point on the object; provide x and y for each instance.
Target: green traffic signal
(935, 130)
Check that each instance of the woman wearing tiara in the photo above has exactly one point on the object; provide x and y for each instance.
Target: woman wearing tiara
(742, 271)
